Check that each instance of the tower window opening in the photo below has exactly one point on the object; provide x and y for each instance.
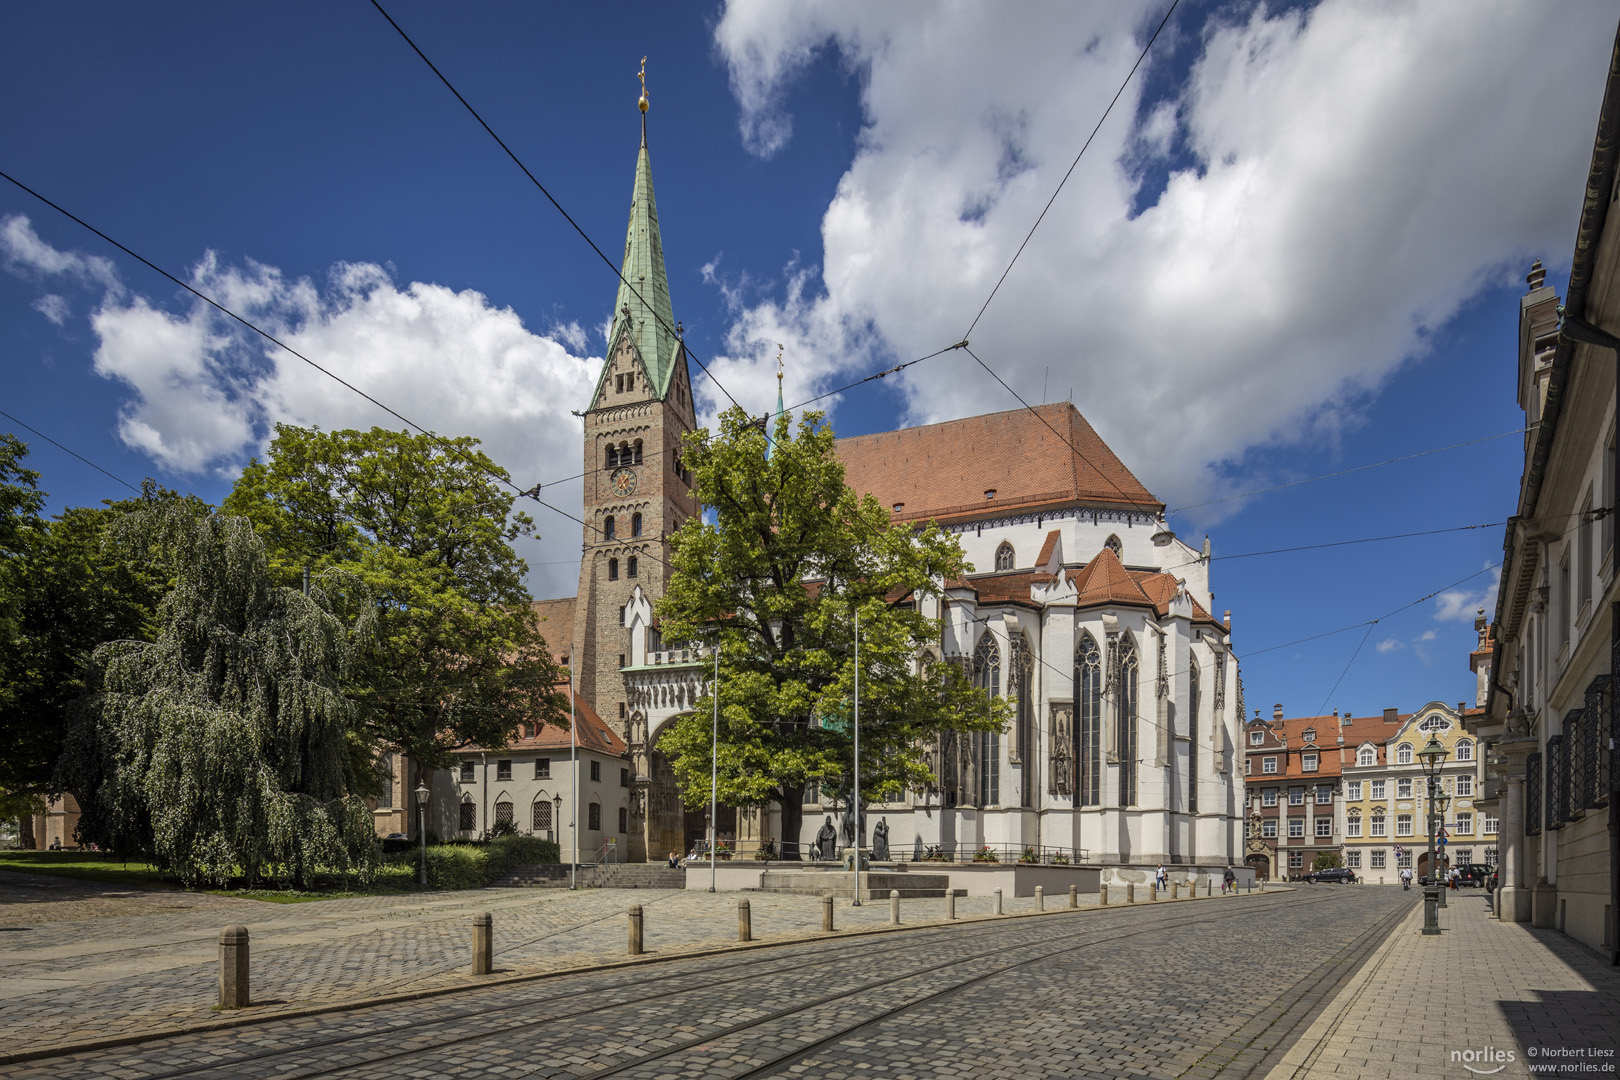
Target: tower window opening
(638, 451)
(635, 524)
(618, 384)
(613, 569)
(607, 527)
(630, 567)
(612, 456)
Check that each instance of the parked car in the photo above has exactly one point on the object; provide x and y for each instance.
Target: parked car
(1474, 874)
(1342, 875)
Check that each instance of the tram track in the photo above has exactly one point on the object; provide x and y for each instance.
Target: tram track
(799, 965)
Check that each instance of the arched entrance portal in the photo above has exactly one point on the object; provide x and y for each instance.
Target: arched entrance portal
(658, 821)
(1423, 863)
(1260, 863)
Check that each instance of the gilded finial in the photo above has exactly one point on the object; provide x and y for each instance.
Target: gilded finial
(642, 75)
(779, 365)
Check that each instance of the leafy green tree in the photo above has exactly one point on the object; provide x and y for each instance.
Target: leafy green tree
(777, 580)
(21, 533)
(1326, 860)
(226, 745)
(459, 655)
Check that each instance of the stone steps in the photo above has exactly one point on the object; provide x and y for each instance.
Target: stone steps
(875, 884)
(606, 876)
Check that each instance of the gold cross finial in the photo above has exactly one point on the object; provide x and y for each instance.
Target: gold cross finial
(642, 75)
(778, 363)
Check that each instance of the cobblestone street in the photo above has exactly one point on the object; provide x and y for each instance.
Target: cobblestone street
(1164, 990)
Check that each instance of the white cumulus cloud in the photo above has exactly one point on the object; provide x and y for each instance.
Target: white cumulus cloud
(1357, 171)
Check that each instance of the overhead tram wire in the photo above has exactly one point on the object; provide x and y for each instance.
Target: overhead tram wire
(222, 309)
(1100, 120)
(1347, 472)
(65, 450)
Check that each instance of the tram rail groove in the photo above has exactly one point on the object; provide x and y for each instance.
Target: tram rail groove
(813, 937)
(1100, 936)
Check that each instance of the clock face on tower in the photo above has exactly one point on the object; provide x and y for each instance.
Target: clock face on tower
(623, 481)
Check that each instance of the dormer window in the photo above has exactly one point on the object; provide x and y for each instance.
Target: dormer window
(1310, 734)
(1257, 738)
(1004, 556)
(989, 493)
(899, 507)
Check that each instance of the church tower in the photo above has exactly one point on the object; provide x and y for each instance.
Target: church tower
(636, 493)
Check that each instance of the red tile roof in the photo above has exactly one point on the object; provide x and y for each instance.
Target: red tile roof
(593, 732)
(1104, 580)
(942, 471)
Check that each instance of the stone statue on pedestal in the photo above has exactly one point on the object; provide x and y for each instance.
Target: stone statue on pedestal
(880, 840)
(827, 841)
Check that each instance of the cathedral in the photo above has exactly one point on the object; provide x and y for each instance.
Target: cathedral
(1082, 607)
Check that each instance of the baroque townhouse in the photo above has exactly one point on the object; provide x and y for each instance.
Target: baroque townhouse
(1292, 779)
(1550, 721)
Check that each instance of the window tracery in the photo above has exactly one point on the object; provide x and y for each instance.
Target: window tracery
(1126, 703)
(1004, 556)
(987, 744)
(1088, 680)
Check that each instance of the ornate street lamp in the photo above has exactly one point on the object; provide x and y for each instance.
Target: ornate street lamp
(1434, 755)
(421, 794)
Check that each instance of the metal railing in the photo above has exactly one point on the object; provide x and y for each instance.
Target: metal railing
(1003, 854)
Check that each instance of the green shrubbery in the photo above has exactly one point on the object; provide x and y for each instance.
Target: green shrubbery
(471, 865)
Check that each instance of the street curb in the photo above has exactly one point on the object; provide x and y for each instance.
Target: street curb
(354, 1004)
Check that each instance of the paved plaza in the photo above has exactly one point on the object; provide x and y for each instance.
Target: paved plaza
(1283, 985)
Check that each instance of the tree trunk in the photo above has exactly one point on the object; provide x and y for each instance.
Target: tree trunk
(792, 819)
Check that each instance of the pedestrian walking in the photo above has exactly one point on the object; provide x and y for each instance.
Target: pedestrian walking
(1161, 880)
(1229, 881)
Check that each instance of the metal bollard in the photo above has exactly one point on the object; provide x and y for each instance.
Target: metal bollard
(745, 921)
(1130, 892)
(483, 943)
(1102, 895)
(950, 905)
(894, 907)
(1040, 898)
(233, 967)
(1209, 886)
(998, 901)
(1074, 896)
(635, 929)
(826, 913)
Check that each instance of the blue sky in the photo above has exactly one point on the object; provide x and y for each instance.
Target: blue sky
(1295, 247)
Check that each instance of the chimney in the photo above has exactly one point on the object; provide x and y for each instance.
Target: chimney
(1276, 711)
(1228, 619)
(1461, 706)
(1391, 716)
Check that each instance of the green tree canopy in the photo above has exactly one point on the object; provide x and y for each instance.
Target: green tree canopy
(777, 580)
(459, 655)
(226, 745)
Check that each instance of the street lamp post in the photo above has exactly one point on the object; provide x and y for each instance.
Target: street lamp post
(421, 794)
(714, 769)
(1434, 755)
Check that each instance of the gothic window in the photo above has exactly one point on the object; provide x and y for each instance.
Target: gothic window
(1004, 556)
(987, 744)
(468, 820)
(593, 817)
(635, 524)
(630, 567)
(503, 813)
(637, 448)
(1125, 717)
(608, 529)
(1021, 684)
(1192, 737)
(1113, 544)
(541, 814)
(613, 569)
(1088, 682)
(386, 799)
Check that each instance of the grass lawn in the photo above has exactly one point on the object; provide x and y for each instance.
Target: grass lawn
(97, 866)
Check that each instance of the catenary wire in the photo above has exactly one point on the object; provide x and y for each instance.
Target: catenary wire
(1070, 172)
(65, 450)
(1347, 472)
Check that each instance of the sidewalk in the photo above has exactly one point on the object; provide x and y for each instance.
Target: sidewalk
(1483, 998)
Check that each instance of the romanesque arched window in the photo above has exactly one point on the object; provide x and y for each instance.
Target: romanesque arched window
(636, 448)
(613, 569)
(635, 524)
(1125, 719)
(612, 456)
(987, 744)
(608, 530)
(1113, 544)
(1004, 556)
(1088, 687)
(1193, 693)
(630, 567)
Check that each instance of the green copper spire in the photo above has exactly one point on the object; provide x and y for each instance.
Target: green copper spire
(642, 310)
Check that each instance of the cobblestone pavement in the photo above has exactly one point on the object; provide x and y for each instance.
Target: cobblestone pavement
(1508, 1000)
(81, 961)
(1219, 985)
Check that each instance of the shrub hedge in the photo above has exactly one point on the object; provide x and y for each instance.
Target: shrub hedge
(474, 865)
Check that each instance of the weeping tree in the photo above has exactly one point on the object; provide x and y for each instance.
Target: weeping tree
(225, 747)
